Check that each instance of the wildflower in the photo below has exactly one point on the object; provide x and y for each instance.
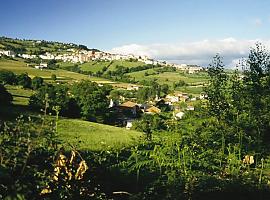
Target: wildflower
(81, 170)
(46, 191)
(61, 162)
(73, 154)
(248, 160)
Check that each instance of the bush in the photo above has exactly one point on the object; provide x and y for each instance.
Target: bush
(7, 77)
(5, 97)
(24, 80)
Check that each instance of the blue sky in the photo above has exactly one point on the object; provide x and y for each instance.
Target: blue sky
(136, 26)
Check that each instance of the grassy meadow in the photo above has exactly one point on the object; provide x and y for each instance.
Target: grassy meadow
(195, 81)
(82, 134)
(169, 77)
(20, 96)
(97, 137)
(19, 67)
(95, 66)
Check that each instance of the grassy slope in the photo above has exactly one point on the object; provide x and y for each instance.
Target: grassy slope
(19, 67)
(93, 136)
(20, 96)
(125, 63)
(31, 45)
(95, 66)
(170, 77)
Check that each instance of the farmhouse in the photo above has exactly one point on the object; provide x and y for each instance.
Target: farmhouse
(41, 66)
(179, 115)
(132, 87)
(152, 110)
(7, 53)
(129, 108)
(172, 98)
(194, 69)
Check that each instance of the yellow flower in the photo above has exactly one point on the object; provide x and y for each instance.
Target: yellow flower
(46, 191)
(73, 154)
(81, 170)
(248, 159)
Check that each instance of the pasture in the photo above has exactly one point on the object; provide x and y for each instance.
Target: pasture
(19, 67)
(96, 137)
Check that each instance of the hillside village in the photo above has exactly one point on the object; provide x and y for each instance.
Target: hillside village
(134, 100)
(124, 109)
(76, 55)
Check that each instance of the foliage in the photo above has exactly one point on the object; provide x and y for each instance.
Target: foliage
(50, 96)
(7, 77)
(148, 124)
(91, 98)
(37, 82)
(53, 77)
(5, 97)
(24, 80)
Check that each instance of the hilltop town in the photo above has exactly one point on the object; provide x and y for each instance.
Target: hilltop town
(75, 54)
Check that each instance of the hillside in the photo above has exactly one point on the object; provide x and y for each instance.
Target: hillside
(96, 137)
(36, 46)
(18, 66)
(72, 62)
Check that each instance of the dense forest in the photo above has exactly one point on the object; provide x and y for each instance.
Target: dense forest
(219, 151)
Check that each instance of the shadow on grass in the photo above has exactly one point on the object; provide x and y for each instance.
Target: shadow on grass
(11, 112)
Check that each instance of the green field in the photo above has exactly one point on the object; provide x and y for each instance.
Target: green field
(19, 67)
(20, 96)
(95, 66)
(125, 63)
(169, 77)
(93, 136)
(195, 81)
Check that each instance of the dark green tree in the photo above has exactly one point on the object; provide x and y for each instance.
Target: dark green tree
(5, 97)
(37, 82)
(24, 80)
(91, 98)
(7, 77)
(53, 77)
(52, 96)
(218, 103)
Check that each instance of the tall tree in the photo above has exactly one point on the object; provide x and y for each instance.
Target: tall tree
(217, 89)
(91, 98)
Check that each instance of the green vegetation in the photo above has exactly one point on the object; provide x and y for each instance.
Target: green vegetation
(96, 137)
(194, 83)
(169, 77)
(36, 46)
(20, 67)
(5, 97)
(219, 150)
(20, 96)
(94, 66)
(125, 63)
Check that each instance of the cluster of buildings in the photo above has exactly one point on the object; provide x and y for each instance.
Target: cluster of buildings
(191, 69)
(7, 53)
(81, 56)
(128, 111)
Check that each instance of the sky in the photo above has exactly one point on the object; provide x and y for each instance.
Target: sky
(180, 31)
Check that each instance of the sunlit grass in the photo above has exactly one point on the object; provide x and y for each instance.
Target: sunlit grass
(93, 136)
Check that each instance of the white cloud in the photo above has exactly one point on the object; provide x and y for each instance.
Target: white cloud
(200, 52)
